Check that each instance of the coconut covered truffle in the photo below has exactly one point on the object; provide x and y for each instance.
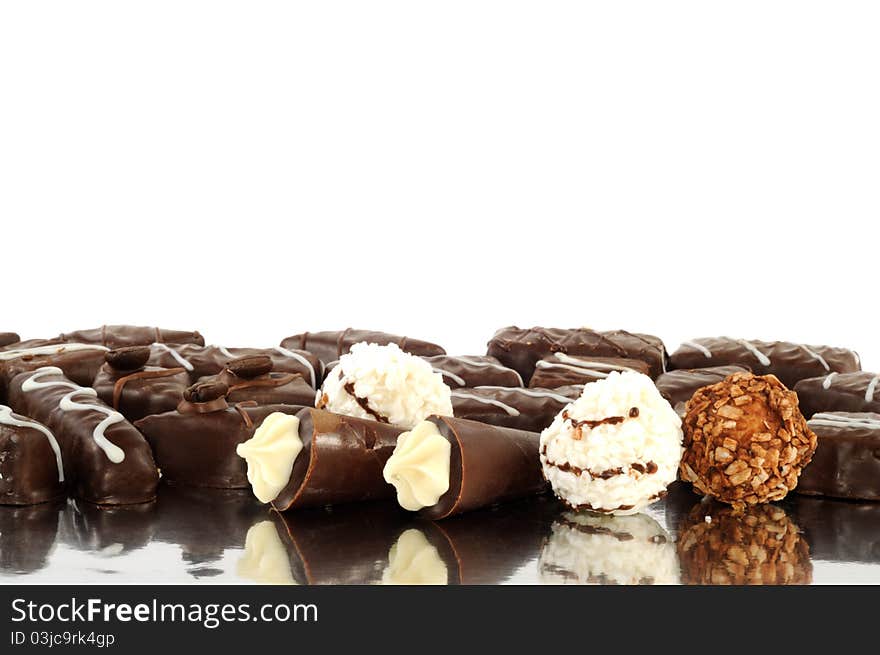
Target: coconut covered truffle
(385, 384)
(746, 441)
(615, 449)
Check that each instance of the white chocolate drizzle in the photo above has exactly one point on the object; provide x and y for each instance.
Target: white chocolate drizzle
(114, 453)
(180, 359)
(872, 387)
(586, 367)
(826, 383)
(512, 411)
(761, 357)
(54, 349)
(452, 376)
(6, 418)
(698, 346)
(842, 421)
(534, 393)
(817, 357)
(302, 360)
(478, 362)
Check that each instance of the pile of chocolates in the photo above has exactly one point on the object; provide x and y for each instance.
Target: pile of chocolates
(604, 419)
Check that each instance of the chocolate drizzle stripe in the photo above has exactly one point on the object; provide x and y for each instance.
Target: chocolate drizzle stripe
(119, 386)
(594, 423)
(272, 382)
(364, 404)
(644, 469)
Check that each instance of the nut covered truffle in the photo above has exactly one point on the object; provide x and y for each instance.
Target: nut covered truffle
(745, 439)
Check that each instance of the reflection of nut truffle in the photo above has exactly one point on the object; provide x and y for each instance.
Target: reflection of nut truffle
(758, 545)
(745, 440)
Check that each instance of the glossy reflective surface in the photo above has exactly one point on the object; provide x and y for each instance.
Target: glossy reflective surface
(201, 536)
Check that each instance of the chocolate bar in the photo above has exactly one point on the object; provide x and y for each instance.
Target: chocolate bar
(201, 361)
(8, 338)
(28, 535)
(106, 461)
(196, 443)
(252, 379)
(679, 386)
(473, 371)
(839, 392)
(789, 362)
(118, 336)
(521, 349)
(136, 390)
(512, 407)
(847, 460)
(31, 467)
(80, 362)
(560, 369)
(330, 346)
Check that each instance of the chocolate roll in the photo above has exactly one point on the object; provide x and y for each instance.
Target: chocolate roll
(512, 407)
(839, 392)
(136, 390)
(560, 369)
(473, 371)
(679, 386)
(251, 379)
(28, 535)
(846, 463)
(106, 460)
(8, 338)
(201, 361)
(789, 362)
(119, 336)
(195, 444)
(330, 346)
(446, 466)
(521, 349)
(31, 467)
(79, 362)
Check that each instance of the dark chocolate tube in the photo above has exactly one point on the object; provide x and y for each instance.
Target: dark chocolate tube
(79, 362)
(106, 460)
(118, 336)
(512, 407)
(330, 346)
(27, 536)
(474, 371)
(31, 466)
(560, 369)
(839, 392)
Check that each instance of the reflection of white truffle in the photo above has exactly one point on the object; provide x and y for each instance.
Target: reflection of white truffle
(385, 384)
(615, 449)
(412, 560)
(586, 548)
(265, 558)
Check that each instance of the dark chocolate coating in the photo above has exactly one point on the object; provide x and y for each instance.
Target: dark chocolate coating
(789, 362)
(489, 465)
(551, 372)
(521, 349)
(90, 473)
(8, 338)
(271, 389)
(27, 536)
(81, 366)
(846, 392)
(136, 394)
(118, 336)
(211, 360)
(28, 466)
(341, 461)
(535, 412)
(330, 346)
(679, 386)
(846, 463)
(474, 371)
(199, 449)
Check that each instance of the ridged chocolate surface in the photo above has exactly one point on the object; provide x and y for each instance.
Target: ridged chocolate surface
(330, 346)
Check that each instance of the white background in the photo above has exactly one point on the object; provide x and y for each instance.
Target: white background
(254, 169)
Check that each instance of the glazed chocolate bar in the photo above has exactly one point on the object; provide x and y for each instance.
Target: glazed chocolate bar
(330, 346)
(201, 361)
(106, 461)
(118, 336)
(252, 379)
(473, 371)
(8, 338)
(80, 362)
(136, 390)
(560, 369)
(195, 444)
(522, 349)
(31, 468)
(679, 386)
(847, 460)
(789, 362)
(839, 392)
(513, 407)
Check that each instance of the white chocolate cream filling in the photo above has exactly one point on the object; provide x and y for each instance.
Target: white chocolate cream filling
(412, 560)
(265, 557)
(270, 455)
(419, 467)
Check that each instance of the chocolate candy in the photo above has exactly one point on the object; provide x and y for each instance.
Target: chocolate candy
(117, 336)
(330, 346)
(195, 445)
(31, 467)
(560, 369)
(252, 379)
(512, 407)
(521, 349)
(679, 386)
(106, 460)
(7, 338)
(201, 361)
(839, 392)
(80, 362)
(136, 390)
(474, 371)
(847, 459)
(789, 362)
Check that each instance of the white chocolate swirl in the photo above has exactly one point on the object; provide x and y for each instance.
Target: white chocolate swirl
(270, 455)
(419, 467)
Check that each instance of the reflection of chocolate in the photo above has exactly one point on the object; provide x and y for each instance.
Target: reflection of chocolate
(108, 531)
(31, 466)
(513, 407)
(198, 448)
(559, 369)
(80, 362)
(761, 545)
(838, 530)
(8, 338)
(27, 536)
(839, 392)
(679, 386)
(473, 371)
(141, 392)
(330, 346)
